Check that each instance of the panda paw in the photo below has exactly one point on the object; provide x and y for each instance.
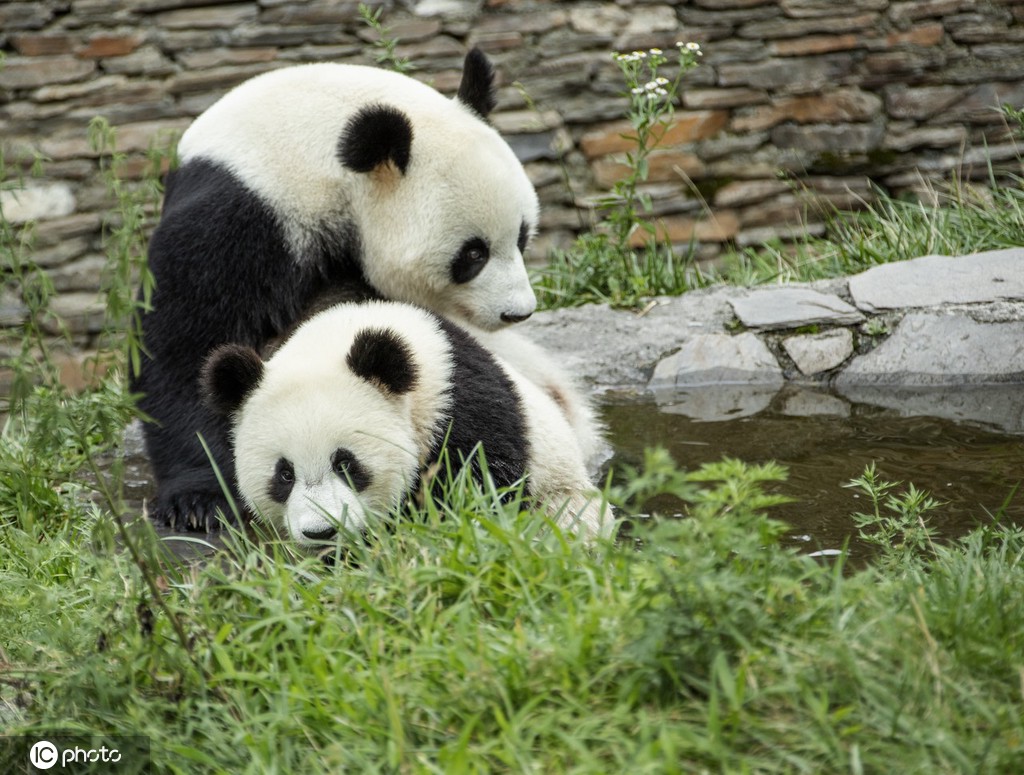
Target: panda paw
(192, 512)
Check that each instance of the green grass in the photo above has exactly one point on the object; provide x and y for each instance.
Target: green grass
(961, 220)
(595, 271)
(473, 639)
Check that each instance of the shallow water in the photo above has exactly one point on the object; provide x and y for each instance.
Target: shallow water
(970, 469)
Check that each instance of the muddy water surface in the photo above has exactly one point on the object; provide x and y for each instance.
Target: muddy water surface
(970, 469)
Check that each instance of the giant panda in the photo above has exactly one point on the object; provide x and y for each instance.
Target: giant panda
(339, 424)
(309, 181)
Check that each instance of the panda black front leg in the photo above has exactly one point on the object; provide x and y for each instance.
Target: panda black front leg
(231, 281)
(188, 496)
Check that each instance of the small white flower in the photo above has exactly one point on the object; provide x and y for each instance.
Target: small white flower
(640, 54)
(655, 51)
(637, 90)
(691, 46)
(661, 81)
(661, 92)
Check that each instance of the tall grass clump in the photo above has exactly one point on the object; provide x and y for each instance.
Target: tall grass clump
(624, 260)
(48, 435)
(951, 218)
(52, 438)
(959, 219)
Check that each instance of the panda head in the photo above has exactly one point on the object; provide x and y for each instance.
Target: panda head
(323, 440)
(447, 209)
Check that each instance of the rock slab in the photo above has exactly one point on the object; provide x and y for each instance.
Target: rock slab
(930, 281)
(789, 307)
(815, 353)
(718, 359)
(931, 350)
(36, 202)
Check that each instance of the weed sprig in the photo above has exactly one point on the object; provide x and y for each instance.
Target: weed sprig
(623, 261)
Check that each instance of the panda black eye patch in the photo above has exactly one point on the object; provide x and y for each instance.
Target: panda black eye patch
(471, 258)
(282, 481)
(348, 469)
(524, 236)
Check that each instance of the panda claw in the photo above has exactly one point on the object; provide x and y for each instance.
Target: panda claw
(192, 513)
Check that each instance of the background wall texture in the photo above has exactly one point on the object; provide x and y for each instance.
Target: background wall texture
(792, 97)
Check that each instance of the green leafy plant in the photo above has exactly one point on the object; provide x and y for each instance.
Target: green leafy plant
(384, 42)
(623, 261)
(876, 327)
(652, 99)
(896, 522)
(1015, 116)
(29, 357)
(126, 233)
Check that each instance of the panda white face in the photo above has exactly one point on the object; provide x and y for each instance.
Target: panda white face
(313, 467)
(378, 165)
(331, 430)
(458, 223)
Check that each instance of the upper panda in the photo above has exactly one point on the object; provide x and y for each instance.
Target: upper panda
(340, 422)
(315, 181)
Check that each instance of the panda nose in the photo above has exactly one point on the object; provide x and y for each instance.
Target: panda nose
(321, 535)
(508, 317)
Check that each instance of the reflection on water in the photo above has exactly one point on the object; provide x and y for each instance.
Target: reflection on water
(969, 469)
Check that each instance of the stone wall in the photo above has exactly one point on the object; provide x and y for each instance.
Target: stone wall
(792, 97)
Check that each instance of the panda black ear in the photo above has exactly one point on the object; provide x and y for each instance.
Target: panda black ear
(476, 90)
(231, 372)
(382, 357)
(376, 134)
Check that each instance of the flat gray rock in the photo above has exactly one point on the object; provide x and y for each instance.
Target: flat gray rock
(718, 359)
(934, 349)
(37, 201)
(788, 307)
(815, 353)
(933, 280)
(612, 348)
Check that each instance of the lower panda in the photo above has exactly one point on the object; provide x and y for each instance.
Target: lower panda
(344, 417)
